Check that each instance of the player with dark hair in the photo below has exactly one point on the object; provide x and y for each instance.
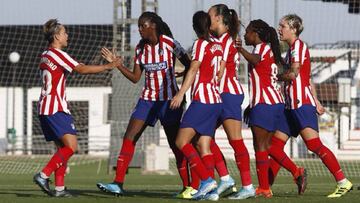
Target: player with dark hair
(266, 102)
(155, 55)
(302, 105)
(200, 118)
(225, 26)
(56, 121)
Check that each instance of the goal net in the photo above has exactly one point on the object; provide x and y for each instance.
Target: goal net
(102, 103)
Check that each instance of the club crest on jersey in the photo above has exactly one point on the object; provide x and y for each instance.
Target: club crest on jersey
(155, 66)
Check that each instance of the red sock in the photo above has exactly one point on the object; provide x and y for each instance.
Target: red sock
(209, 163)
(125, 156)
(182, 166)
(276, 151)
(242, 159)
(195, 162)
(220, 164)
(195, 179)
(60, 175)
(327, 157)
(59, 158)
(262, 167)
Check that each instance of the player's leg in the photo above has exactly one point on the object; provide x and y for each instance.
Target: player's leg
(142, 116)
(170, 119)
(181, 163)
(242, 158)
(226, 181)
(56, 127)
(133, 132)
(261, 143)
(307, 121)
(60, 189)
(199, 118)
(280, 158)
(314, 144)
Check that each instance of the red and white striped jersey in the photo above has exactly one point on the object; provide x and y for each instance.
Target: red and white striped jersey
(158, 63)
(229, 82)
(204, 88)
(298, 91)
(55, 65)
(263, 88)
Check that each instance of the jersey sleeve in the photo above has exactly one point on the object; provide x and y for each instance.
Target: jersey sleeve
(262, 50)
(296, 52)
(174, 46)
(64, 60)
(198, 50)
(137, 57)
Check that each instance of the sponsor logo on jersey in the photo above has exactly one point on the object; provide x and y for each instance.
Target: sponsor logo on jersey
(155, 66)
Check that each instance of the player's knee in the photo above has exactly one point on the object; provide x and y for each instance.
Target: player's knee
(314, 145)
(180, 143)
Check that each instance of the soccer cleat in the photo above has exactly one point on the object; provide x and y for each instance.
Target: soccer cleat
(187, 193)
(225, 185)
(205, 187)
(62, 193)
(301, 180)
(212, 196)
(43, 183)
(243, 194)
(112, 188)
(341, 190)
(265, 193)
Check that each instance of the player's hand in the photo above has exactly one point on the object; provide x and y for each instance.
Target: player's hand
(176, 101)
(219, 75)
(238, 43)
(115, 63)
(319, 108)
(247, 114)
(179, 74)
(108, 55)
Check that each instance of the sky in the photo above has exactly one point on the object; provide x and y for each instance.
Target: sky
(324, 22)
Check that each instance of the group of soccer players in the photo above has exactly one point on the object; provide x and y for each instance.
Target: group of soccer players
(274, 115)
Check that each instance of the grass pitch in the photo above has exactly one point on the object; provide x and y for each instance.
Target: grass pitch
(155, 188)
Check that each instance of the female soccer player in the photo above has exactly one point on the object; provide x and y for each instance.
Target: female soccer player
(56, 121)
(225, 25)
(205, 108)
(301, 102)
(266, 102)
(154, 55)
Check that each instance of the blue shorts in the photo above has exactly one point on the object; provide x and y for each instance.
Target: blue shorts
(152, 111)
(202, 117)
(266, 116)
(295, 120)
(231, 108)
(57, 125)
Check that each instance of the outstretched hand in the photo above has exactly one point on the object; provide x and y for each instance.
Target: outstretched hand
(108, 55)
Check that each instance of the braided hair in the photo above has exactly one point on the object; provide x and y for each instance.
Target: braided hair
(230, 19)
(161, 27)
(268, 34)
